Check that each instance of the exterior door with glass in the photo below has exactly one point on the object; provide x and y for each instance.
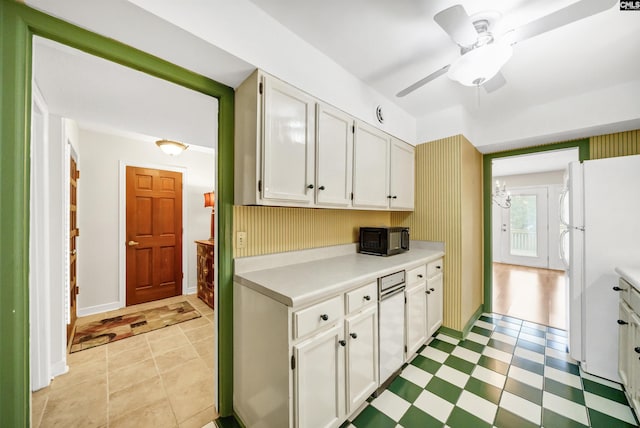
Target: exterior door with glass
(523, 229)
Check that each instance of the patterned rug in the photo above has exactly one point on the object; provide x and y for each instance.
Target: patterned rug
(111, 329)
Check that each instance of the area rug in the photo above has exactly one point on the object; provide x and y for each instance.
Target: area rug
(111, 329)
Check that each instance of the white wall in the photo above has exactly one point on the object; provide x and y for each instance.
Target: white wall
(99, 211)
(252, 35)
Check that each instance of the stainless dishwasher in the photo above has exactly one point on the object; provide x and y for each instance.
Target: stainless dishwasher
(390, 326)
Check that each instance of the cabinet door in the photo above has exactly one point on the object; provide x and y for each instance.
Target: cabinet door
(415, 319)
(624, 341)
(370, 168)
(402, 167)
(362, 356)
(634, 362)
(288, 146)
(435, 303)
(334, 157)
(319, 380)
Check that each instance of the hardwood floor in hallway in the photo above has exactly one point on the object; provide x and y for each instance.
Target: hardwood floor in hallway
(532, 294)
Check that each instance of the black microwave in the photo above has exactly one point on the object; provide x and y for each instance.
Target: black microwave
(384, 241)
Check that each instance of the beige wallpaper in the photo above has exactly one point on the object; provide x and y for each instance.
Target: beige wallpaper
(612, 145)
(449, 208)
(276, 229)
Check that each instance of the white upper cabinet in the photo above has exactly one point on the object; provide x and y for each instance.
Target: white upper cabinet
(401, 183)
(334, 157)
(288, 143)
(370, 167)
(293, 150)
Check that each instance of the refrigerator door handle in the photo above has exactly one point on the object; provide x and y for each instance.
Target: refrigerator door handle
(563, 196)
(563, 255)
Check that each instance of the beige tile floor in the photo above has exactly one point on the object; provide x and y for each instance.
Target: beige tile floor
(163, 378)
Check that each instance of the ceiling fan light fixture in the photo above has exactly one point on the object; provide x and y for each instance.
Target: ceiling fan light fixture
(480, 64)
(172, 148)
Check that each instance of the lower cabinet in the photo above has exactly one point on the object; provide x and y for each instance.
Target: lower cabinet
(304, 368)
(319, 387)
(435, 296)
(362, 356)
(629, 342)
(415, 319)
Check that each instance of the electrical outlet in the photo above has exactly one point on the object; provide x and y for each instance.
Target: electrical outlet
(241, 240)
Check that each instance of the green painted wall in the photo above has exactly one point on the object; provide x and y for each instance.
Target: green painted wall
(18, 24)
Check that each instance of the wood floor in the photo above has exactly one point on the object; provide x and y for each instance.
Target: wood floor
(531, 294)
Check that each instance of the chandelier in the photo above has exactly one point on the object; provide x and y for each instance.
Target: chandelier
(500, 196)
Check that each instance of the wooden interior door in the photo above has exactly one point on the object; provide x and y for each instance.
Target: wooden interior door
(154, 234)
(74, 175)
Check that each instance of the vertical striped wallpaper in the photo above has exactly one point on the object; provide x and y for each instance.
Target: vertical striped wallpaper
(612, 145)
(437, 215)
(276, 229)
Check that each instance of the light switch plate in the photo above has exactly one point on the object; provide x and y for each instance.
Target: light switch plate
(241, 240)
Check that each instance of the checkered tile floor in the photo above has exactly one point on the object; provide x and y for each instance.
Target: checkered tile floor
(506, 374)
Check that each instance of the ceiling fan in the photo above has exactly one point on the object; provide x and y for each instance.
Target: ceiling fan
(482, 54)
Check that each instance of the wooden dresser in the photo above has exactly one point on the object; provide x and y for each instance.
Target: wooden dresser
(206, 271)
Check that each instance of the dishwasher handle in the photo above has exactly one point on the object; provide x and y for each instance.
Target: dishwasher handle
(392, 292)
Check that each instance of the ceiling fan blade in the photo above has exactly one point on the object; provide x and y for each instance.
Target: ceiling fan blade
(495, 83)
(574, 12)
(422, 82)
(457, 24)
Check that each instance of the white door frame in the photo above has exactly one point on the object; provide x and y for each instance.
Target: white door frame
(122, 226)
(39, 260)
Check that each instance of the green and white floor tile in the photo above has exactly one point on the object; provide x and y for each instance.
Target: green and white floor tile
(508, 373)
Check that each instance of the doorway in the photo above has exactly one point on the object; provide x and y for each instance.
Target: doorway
(100, 147)
(527, 273)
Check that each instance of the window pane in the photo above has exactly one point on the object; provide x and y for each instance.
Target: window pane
(522, 216)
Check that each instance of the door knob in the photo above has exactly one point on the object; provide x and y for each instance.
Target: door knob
(354, 335)
(342, 342)
(321, 187)
(133, 243)
(622, 322)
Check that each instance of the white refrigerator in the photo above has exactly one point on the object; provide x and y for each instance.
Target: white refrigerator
(601, 211)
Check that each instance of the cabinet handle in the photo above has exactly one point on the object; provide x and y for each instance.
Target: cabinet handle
(419, 275)
(637, 349)
(321, 188)
(432, 289)
(354, 335)
(310, 186)
(324, 317)
(367, 297)
(616, 288)
(621, 322)
(394, 197)
(342, 343)
(389, 196)
(428, 292)
(438, 267)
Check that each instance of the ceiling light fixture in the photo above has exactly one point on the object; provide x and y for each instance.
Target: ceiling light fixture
(172, 148)
(481, 64)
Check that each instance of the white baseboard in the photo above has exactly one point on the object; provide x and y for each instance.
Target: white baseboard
(59, 368)
(187, 291)
(91, 310)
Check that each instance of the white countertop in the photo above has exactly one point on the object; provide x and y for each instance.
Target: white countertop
(299, 284)
(631, 275)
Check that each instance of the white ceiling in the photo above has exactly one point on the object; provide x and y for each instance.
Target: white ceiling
(579, 80)
(555, 160)
(390, 45)
(103, 95)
